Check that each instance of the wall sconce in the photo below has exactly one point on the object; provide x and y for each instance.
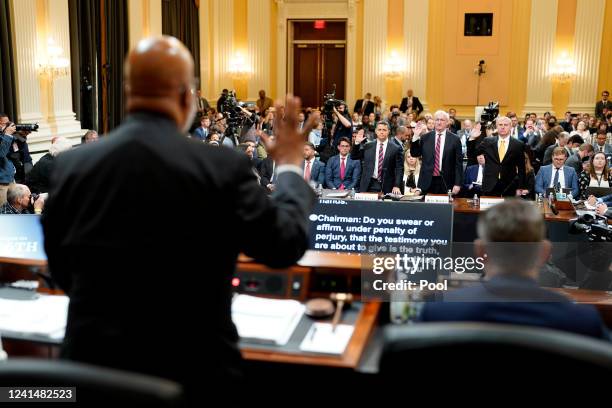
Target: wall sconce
(238, 68)
(564, 69)
(55, 65)
(394, 67)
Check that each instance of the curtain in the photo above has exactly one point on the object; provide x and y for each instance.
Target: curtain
(117, 47)
(8, 96)
(180, 19)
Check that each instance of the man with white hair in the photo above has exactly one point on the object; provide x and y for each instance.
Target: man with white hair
(442, 158)
(464, 134)
(504, 171)
(19, 201)
(39, 178)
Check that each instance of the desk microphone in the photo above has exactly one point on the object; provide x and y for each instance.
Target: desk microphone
(444, 181)
(553, 206)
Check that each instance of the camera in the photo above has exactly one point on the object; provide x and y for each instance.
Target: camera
(490, 113)
(27, 127)
(596, 228)
(329, 103)
(236, 119)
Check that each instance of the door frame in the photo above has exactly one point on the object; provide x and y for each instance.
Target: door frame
(287, 11)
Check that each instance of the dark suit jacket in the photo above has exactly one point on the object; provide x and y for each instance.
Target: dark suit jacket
(369, 108)
(317, 172)
(393, 165)
(266, 168)
(599, 107)
(142, 231)
(510, 171)
(351, 173)
(452, 159)
(471, 175)
(416, 105)
(515, 300)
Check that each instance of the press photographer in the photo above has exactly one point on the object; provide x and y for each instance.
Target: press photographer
(239, 117)
(340, 127)
(18, 153)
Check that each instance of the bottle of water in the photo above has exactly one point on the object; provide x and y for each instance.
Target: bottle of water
(352, 193)
(476, 201)
(540, 200)
(450, 196)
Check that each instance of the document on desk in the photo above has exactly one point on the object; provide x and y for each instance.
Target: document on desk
(269, 321)
(45, 316)
(321, 339)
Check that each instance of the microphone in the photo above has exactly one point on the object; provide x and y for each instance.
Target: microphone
(444, 181)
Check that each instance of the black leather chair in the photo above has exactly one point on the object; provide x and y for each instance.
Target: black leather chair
(95, 386)
(472, 353)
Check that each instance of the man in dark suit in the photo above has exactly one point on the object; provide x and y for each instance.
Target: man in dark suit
(342, 172)
(142, 230)
(442, 158)
(411, 104)
(603, 104)
(512, 247)
(313, 170)
(504, 172)
(364, 106)
(267, 173)
(382, 162)
(472, 181)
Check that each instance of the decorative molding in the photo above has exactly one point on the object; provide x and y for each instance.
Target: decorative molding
(587, 48)
(374, 46)
(223, 35)
(541, 45)
(205, 46)
(415, 47)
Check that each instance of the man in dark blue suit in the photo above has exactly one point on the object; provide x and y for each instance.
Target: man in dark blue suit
(472, 181)
(442, 158)
(342, 172)
(557, 175)
(314, 170)
(383, 163)
(512, 247)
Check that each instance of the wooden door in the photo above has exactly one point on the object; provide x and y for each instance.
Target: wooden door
(316, 68)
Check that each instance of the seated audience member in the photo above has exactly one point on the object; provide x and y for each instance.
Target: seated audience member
(248, 149)
(382, 162)
(575, 161)
(582, 130)
(556, 175)
(532, 134)
(267, 171)
(601, 144)
(412, 169)
(574, 142)
(91, 136)
(316, 134)
(203, 130)
(472, 180)
(562, 141)
(512, 235)
(39, 178)
(599, 175)
(19, 200)
(342, 172)
(314, 170)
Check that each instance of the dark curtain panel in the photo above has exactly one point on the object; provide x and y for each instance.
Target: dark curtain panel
(8, 96)
(180, 19)
(84, 55)
(117, 46)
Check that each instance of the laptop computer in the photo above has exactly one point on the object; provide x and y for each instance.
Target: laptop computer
(599, 191)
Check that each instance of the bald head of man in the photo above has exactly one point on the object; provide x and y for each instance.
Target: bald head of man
(159, 77)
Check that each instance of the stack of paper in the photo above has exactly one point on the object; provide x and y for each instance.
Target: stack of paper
(263, 320)
(322, 339)
(45, 316)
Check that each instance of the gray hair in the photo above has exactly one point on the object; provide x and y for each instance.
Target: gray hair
(384, 123)
(16, 192)
(61, 145)
(442, 113)
(504, 119)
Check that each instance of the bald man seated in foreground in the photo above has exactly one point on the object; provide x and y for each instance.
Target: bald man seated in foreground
(143, 230)
(512, 235)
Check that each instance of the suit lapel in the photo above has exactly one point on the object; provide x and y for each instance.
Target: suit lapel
(496, 149)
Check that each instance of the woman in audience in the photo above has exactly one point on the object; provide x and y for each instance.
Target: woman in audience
(379, 107)
(412, 168)
(529, 178)
(268, 122)
(430, 124)
(599, 175)
(582, 131)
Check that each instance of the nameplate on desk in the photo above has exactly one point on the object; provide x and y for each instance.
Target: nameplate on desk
(366, 196)
(436, 199)
(487, 202)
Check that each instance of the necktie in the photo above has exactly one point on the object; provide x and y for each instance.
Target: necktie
(342, 171)
(501, 150)
(556, 178)
(436, 169)
(381, 158)
(307, 171)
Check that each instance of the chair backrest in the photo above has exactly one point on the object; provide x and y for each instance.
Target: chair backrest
(496, 350)
(93, 384)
